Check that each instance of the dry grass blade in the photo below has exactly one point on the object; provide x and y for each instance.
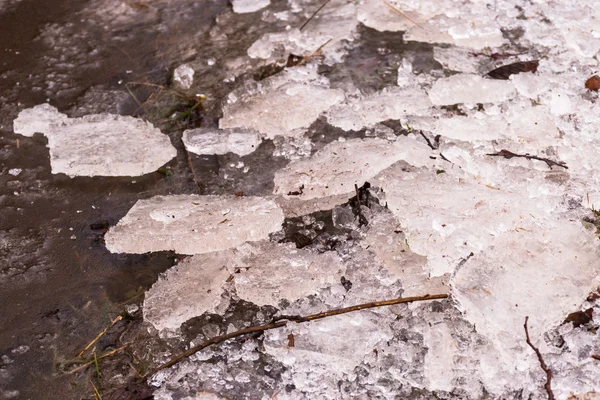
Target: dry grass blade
(95, 360)
(403, 14)
(313, 15)
(114, 321)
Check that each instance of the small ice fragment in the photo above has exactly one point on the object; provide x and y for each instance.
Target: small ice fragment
(221, 141)
(15, 171)
(191, 224)
(249, 6)
(184, 76)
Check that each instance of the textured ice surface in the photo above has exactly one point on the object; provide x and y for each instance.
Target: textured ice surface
(192, 224)
(280, 105)
(390, 103)
(471, 89)
(221, 141)
(280, 271)
(97, 145)
(248, 6)
(340, 165)
(189, 289)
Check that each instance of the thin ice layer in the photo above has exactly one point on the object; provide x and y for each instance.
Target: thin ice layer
(192, 224)
(189, 289)
(338, 166)
(98, 144)
(221, 141)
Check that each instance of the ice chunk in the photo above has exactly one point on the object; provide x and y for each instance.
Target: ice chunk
(338, 166)
(470, 89)
(183, 76)
(457, 59)
(98, 144)
(377, 15)
(390, 103)
(280, 105)
(221, 141)
(248, 6)
(189, 289)
(15, 171)
(478, 127)
(192, 224)
(281, 271)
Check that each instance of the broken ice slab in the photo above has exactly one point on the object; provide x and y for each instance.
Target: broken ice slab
(282, 104)
(193, 224)
(97, 144)
(189, 289)
(248, 6)
(391, 103)
(382, 17)
(276, 272)
(326, 350)
(340, 165)
(458, 59)
(470, 89)
(473, 128)
(239, 141)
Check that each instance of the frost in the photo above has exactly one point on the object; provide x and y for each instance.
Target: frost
(337, 167)
(192, 224)
(275, 272)
(221, 141)
(97, 145)
(189, 289)
(280, 105)
(470, 89)
(249, 6)
(184, 76)
(390, 103)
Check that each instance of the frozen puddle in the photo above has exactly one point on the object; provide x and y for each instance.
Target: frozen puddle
(192, 224)
(97, 145)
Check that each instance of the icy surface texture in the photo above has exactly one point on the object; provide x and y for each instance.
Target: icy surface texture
(340, 165)
(248, 6)
(392, 103)
(189, 289)
(192, 224)
(97, 145)
(280, 105)
(221, 141)
(466, 88)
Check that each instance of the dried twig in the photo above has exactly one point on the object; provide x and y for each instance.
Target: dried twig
(403, 14)
(509, 154)
(114, 321)
(283, 320)
(548, 371)
(315, 13)
(436, 141)
(95, 360)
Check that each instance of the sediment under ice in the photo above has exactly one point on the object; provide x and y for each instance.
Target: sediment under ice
(97, 145)
(192, 224)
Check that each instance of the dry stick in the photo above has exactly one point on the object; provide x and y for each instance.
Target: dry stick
(315, 13)
(114, 321)
(401, 13)
(283, 320)
(87, 364)
(548, 371)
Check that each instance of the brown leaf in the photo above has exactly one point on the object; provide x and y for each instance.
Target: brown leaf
(291, 340)
(593, 83)
(580, 317)
(505, 71)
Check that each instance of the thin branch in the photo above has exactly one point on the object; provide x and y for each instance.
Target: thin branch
(114, 321)
(548, 371)
(315, 13)
(283, 320)
(509, 154)
(403, 14)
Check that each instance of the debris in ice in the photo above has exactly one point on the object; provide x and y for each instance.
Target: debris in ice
(338, 166)
(192, 224)
(189, 289)
(504, 72)
(97, 144)
(15, 171)
(470, 89)
(390, 103)
(326, 350)
(221, 141)
(275, 272)
(249, 6)
(282, 104)
(183, 76)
